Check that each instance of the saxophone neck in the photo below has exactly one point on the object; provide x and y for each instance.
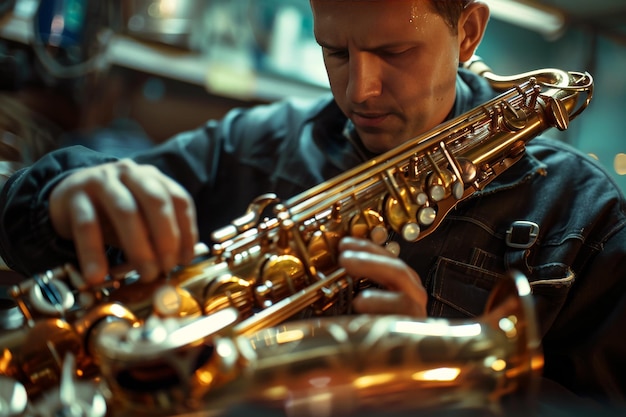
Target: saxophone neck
(563, 88)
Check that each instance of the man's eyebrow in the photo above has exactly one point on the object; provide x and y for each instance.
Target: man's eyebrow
(383, 46)
(326, 45)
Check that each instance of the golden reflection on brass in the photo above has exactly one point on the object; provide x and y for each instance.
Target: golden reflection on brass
(264, 317)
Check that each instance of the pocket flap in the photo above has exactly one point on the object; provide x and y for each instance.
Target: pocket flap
(460, 290)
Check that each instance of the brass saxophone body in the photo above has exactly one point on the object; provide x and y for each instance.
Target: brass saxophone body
(359, 363)
(213, 331)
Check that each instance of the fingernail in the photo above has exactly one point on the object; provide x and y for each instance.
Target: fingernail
(350, 254)
(92, 273)
(169, 262)
(149, 271)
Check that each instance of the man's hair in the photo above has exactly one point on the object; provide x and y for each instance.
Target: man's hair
(450, 10)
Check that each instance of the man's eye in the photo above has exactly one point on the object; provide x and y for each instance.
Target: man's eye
(337, 54)
(394, 52)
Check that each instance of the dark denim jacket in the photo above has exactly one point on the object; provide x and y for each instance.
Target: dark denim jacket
(576, 263)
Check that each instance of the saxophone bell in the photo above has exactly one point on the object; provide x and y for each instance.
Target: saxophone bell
(351, 364)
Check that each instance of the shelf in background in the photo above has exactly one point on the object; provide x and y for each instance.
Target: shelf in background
(218, 78)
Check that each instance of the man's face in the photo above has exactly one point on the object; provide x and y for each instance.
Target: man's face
(391, 64)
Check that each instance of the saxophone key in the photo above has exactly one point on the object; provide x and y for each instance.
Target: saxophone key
(437, 192)
(426, 216)
(369, 224)
(411, 231)
(281, 276)
(393, 247)
(379, 234)
(51, 296)
(72, 398)
(172, 301)
(458, 189)
(421, 199)
(13, 397)
(468, 170)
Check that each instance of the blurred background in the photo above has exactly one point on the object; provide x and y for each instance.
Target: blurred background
(121, 75)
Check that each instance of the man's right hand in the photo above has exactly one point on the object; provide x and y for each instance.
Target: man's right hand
(133, 207)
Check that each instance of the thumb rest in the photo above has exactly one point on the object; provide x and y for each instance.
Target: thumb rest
(212, 334)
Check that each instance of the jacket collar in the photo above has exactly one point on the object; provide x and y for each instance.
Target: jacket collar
(522, 171)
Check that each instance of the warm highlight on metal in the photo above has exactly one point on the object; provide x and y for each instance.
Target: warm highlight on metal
(243, 323)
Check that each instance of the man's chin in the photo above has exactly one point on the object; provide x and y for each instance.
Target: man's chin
(380, 142)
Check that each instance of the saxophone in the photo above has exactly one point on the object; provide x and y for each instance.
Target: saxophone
(249, 321)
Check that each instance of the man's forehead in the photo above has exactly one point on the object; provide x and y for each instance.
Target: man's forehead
(384, 14)
(375, 28)
(364, 2)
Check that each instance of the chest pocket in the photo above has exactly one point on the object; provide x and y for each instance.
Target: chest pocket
(460, 290)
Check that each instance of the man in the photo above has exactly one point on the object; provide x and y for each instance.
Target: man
(394, 72)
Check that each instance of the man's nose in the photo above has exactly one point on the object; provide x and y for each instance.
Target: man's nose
(365, 77)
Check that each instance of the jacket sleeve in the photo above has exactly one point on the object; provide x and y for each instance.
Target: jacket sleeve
(585, 348)
(583, 215)
(28, 242)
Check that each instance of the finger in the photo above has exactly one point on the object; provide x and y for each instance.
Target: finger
(169, 212)
(387, 302)
(392, 273)
(183, 219)
(118, 205)
(155, 203)
(185, 211)
(87, 235)
(362, 245)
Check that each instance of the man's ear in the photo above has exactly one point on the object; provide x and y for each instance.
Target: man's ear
(472, 25)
